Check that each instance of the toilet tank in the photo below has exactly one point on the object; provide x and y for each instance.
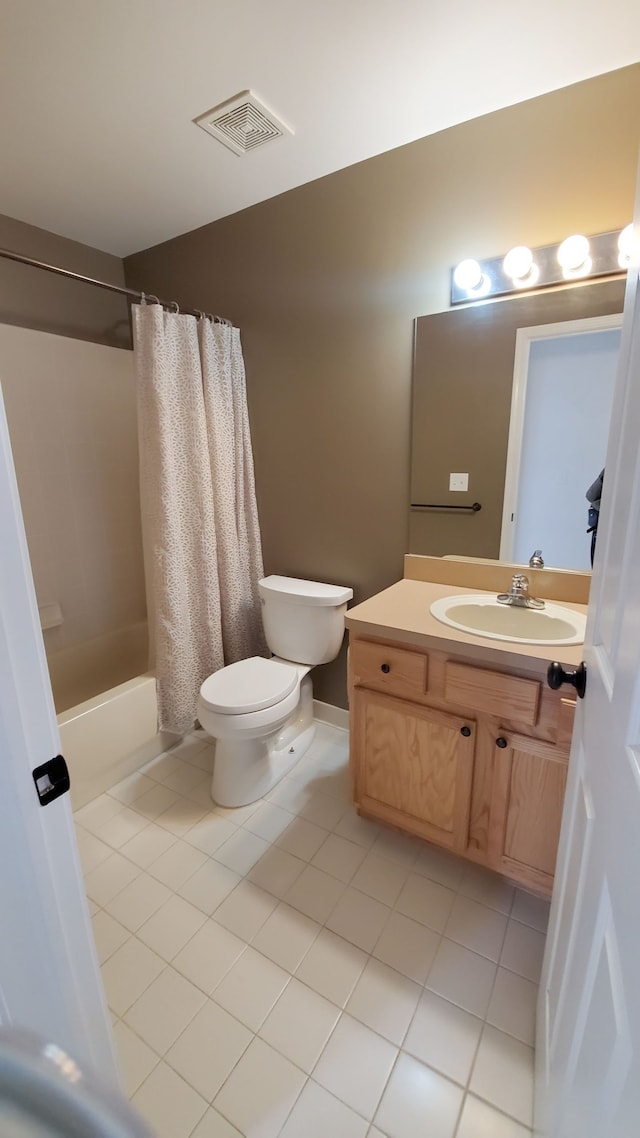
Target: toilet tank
(303, 620)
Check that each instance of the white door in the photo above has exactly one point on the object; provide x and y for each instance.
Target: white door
(588, 1046)
(563, 382)
(49, 977)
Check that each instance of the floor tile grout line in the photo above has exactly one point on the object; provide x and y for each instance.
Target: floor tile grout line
(368, 953)
(500, 1110)
(211, 915)
(122, 1014)
(483, 1097)
(123, 1023)
(163, 1057)
(342, 1010)
(435, 881)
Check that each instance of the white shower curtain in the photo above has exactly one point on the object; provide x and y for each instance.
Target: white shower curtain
(203, 557)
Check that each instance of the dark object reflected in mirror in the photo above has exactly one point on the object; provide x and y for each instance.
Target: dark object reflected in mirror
(593, 496)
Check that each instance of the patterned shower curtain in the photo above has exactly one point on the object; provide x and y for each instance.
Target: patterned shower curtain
(202, 551)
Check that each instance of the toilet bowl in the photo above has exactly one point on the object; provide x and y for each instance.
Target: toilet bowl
(260, 711)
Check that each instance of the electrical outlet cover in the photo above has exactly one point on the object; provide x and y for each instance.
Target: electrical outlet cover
(458, 481)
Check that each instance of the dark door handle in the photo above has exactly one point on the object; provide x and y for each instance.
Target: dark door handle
(51, 779)
(556, 677)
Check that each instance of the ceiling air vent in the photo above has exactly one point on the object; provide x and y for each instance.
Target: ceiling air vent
(243, 123)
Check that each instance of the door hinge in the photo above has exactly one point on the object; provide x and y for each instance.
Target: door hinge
(51, 779)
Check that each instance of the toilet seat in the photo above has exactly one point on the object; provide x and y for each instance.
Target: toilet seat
(248, 686)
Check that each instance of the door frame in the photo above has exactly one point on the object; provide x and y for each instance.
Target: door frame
(525, 337)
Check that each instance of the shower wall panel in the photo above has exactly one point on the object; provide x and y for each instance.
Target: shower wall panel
(72, 420)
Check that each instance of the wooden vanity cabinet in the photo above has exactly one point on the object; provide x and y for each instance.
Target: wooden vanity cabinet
(466, 756)
(415, 766)
(529, 779)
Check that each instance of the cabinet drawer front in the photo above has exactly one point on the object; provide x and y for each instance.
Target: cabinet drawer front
(508, 697)
(392, 670)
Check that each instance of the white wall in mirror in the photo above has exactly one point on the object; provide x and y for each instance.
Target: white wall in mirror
(564, 375)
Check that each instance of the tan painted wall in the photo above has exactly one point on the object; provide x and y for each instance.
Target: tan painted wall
(36, 299)
(325, 282)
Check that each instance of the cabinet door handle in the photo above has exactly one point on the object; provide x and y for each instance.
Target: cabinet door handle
(466, 731)
(385, 668)
(501, 742)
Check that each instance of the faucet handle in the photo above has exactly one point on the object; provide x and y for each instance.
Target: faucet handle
(520, 583)
(535, 561)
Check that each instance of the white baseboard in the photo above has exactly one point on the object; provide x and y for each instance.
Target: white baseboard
(327, 713)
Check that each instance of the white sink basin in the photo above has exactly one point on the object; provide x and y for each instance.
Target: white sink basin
(483, 616)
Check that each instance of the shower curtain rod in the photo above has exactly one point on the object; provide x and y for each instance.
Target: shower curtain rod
(11, 256)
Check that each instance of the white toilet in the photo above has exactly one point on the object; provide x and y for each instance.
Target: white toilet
(261, 711)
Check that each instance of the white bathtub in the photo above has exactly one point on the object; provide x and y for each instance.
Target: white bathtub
(110, 736)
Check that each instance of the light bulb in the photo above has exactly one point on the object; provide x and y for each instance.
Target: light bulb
(625, 241)
(518, 262)
(574, 253)
(468, 275)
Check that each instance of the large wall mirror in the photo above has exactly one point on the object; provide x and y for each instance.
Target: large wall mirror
(543, 364)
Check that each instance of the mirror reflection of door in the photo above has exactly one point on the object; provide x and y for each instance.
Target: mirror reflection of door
(564, 376)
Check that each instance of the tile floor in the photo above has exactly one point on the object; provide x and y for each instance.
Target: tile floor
(292, 969)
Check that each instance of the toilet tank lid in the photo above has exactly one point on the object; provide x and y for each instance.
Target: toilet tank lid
(299, 592)
(248, 685)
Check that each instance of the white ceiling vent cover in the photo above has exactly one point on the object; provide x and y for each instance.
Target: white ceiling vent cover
(243, 123)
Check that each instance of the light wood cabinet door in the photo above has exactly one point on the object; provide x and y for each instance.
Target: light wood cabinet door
(413, 766)
(529, 778)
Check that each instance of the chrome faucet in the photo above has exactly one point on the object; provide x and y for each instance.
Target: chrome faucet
(518, 594)
(535, 561)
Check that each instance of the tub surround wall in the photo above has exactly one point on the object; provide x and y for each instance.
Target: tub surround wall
(72, 421)
(98, 664)
(326, 281)
(73, 434)
(33, 298)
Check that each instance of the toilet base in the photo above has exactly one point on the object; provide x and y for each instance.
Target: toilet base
(246, 770)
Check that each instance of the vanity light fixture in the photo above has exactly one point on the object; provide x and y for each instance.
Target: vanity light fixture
(576, 258)
(469, 276)
(520, 266)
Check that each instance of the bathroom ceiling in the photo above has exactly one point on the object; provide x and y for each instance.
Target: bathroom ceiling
(97, 141)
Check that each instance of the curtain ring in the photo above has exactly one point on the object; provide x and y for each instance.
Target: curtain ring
(143, 298)
(200, 314)
(173, 304)
(153, 298)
